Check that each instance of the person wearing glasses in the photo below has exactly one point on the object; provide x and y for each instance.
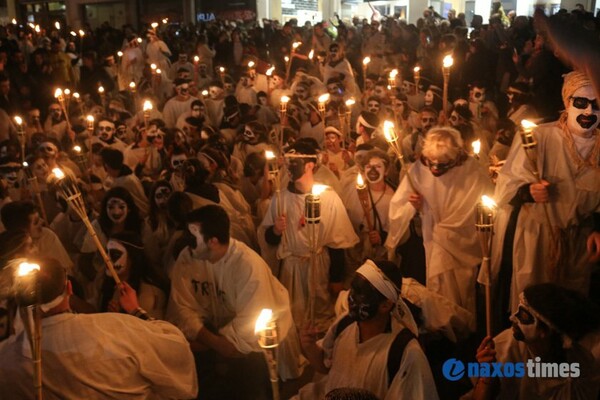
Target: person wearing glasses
(445, 186)
(545, 225)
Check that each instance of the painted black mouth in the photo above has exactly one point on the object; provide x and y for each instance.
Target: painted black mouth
(586, 121)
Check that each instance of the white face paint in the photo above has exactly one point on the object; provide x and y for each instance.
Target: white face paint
(524, 323)
(582, 119)
(117, 210)
(215, 92)
(119, 257)
(429, 98)
(373, 106)
(161, 196)
(106, 130)
(477, 95)
(40, 169)
(202, 251)
(49, 150)
(178, 160)
(375, 170)
(249, 135)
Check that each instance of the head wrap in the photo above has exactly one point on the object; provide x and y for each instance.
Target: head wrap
(572, 82)
(390, 291)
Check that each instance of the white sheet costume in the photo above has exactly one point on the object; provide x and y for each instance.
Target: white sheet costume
(452, 249)
(228, 295)
(95, 356)
(574, 196)
(334, 231)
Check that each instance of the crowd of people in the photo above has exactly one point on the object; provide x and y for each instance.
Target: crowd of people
(331, 173)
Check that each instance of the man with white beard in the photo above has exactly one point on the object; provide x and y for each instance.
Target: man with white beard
(219, 287)
(445, 187)
(536, 249)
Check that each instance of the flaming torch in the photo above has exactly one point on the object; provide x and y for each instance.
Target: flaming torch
(417, 77)
(363, 196)
(486, 210)
(58, 95)
(34, 188)
(268, 339)
(476, 145)
(392, 79)
(349, 103)
(323, 99)
(365, 64)
(312, 216)
(67, 187)
(29, 304)
(147, 109)
(222, 74)
(396, 145)
(447, 63)
(21, 135)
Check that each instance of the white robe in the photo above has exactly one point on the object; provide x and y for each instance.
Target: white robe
(452, 251)
(575, 196)
(109, 355)
(364, 365)
(334, 231)
(174, 108)
(229, 295)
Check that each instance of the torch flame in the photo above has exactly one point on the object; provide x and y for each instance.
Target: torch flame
(101, 89)
(284, 99)
(270, 71)
(139, 40)
(76, 95)
(221, 69)
(287, 59)
(58, 93)
(366, 61)
(73, 34)
(448, 61)
(77, 149)
(360, 182)
(90, 118)
(67, 92)
(295, 45)
(350, 102)
(388, 131)
(269, 155)
(417, 69)
(119, 53)
(132, 85)
(153, 66)
(393, 74)
(488, 202)
(205, 93)
(25, 164)
(196, 59)
(311, 54)
(262, 322)
(251, 64)
(147, 105)
(58, 173)
(158, 71)
(165, 20)
(154, 25)
(57, 25)
(527, 125)
(37, 29)
(18, 120)
(81, 33)
(318, 189)
(14, 21)
(323, 98)
(476, 146)
(25, 268)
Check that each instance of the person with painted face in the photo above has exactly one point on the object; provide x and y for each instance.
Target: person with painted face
(367, 125)
(197, 112)
(127, 253)
(55, 125)
(446, 186)
(145, 359)
(175, 174)
(161, 227)
(335, 235)
(485, 112)
(568, 161)
(120, 175)
(147, 155)
(40, 171)
(264, 113)
(245, 91)
(105, 135)
(520, 103)
(379, 194)
(215, 104)
(412, 145)
(254, 139)
(178, 104)
(374, 346)
(550, 325)
(278, 88)
(461, 119)
(218, 288)
(336, 158)
(433, 98)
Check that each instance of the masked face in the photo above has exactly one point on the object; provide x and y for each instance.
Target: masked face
(406, 87)
(454, 119)
(117, 210)
(121, 131)
(477, 95)
(510, 95)
(363, 300)
(183, 90)
(373, 106)
(55, 112)
(201, 251)
(583, 113)
(161, 196)
(295, 167)
(40, 169)
(49, 150)
(119, 256)
(177, 161)
(276, 81)
(249, 136)
(429, 96)
(215, 92)
(229, 89)
(301, 93)
(375, 170)
(334, 53)
(427, 121)
(106, 130)
(524, 324)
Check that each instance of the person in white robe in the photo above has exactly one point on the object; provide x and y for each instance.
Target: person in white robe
(356, 348)
(568, 160)
(448, 184)
(339, 67)
(220, 287)
(178, 104)
(309, 285)
(97, 355)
